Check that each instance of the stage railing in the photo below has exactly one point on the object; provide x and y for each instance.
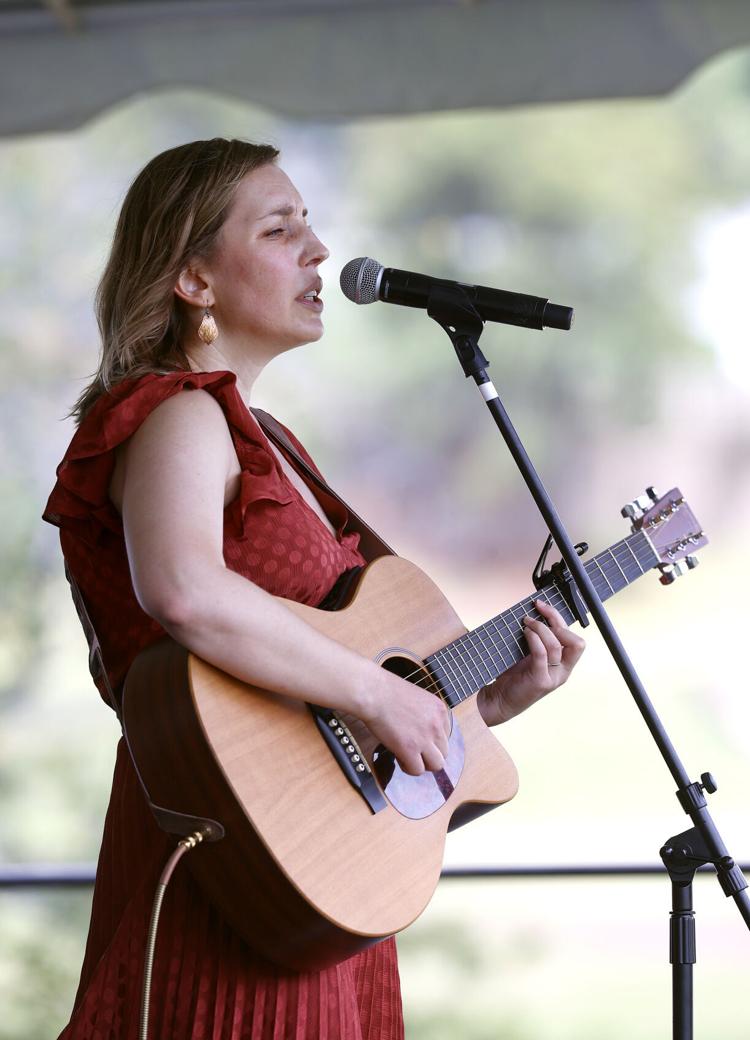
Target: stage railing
(79, 875)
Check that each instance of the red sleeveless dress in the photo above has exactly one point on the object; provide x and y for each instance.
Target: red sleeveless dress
(207, 984)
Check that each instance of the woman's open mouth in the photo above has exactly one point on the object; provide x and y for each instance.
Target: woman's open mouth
(312, 299)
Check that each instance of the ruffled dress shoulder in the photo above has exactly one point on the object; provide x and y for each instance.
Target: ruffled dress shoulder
(271, 535)
(208, 984)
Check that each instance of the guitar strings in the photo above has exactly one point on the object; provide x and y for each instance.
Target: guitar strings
(553, 596)
(428, 682)
(596, 571)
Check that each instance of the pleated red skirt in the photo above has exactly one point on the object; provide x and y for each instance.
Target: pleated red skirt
(207, 984)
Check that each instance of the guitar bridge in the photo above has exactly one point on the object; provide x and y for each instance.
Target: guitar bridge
(348, 755)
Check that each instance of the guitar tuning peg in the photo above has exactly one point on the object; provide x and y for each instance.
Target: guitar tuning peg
(634, 510)
(651, 492)
(670, 571)
(691, 562)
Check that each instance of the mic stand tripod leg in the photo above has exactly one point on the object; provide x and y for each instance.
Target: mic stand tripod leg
(679, 858)
(682, 959)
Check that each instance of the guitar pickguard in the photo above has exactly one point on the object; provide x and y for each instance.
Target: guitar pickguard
(419, 796)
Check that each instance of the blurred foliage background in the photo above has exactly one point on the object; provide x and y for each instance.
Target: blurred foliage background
(637, 213)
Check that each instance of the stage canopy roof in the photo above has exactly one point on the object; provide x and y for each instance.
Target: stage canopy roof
(64, 61)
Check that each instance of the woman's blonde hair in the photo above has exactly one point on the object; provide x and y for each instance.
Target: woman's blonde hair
(172, 213)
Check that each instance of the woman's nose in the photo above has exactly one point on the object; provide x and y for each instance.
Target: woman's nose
(317, 252)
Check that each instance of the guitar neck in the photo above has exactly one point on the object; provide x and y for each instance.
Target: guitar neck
(479, 657)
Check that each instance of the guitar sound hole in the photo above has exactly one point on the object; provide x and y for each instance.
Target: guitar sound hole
(407, 669)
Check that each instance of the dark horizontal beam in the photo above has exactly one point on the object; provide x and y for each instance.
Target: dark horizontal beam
(94, 15)
(573, 870)
(47, 875)
(81, 875)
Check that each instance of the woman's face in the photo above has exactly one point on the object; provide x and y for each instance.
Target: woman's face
(265, 266)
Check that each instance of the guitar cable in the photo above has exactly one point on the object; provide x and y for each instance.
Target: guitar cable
(183, 846)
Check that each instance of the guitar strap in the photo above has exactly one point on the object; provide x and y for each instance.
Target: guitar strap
(96, 661)
(371, 546)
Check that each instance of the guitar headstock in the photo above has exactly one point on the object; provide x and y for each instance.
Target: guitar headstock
(671, 528)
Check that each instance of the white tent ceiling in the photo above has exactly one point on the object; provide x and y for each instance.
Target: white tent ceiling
(64, 61)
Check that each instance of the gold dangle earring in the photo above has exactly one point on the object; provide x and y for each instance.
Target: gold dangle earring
(208, 330)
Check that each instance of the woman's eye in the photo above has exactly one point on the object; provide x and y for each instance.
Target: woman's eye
(275, 231)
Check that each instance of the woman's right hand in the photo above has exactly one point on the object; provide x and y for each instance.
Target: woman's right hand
(411, 722)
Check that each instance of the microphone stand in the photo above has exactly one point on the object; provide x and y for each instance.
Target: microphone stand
(683, 853)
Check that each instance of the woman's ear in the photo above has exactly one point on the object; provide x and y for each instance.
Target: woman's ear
(193, 288)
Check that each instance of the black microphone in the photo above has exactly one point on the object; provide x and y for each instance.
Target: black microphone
(364, 280)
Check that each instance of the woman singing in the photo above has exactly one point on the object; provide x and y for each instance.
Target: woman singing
(177, 516)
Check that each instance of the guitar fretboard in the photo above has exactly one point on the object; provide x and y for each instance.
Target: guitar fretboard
(477, 658)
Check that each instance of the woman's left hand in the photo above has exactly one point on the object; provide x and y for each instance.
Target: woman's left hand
(553, 654)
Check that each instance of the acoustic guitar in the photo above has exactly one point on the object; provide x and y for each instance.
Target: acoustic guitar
(326, 845)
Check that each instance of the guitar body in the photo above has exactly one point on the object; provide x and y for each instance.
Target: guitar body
(307, 873)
